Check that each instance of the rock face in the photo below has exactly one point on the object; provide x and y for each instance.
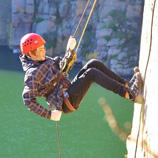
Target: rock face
(5, 22)
(143, 141)
(113, 31)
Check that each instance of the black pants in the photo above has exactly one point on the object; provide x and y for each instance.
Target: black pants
(94, 71)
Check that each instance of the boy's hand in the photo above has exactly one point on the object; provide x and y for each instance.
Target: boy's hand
(70, 56)
(56, 115)
(71, 43)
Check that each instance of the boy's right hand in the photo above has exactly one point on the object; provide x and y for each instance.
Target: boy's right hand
(71, 43)
(55, 115)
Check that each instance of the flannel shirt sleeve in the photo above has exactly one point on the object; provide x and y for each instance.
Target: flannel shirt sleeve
(66, 60)
(30, 98)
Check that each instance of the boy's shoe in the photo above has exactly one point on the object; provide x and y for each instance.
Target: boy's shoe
(135, 90)
(139, 98)
(136, 69)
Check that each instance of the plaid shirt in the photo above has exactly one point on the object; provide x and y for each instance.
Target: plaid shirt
(40, 78)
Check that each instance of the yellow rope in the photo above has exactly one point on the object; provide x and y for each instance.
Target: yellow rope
(87, 5)
(75, 55)
(85, 26)
(84, 29)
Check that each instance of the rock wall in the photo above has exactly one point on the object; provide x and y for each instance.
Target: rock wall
(5, 22)
(112, 34)
(143, 141)
(22, 19)
(118, 33)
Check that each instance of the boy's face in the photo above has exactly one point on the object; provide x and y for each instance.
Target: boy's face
(38, 54)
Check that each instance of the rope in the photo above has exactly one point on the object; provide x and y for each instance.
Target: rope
(84, 29)
(87, 5)
(142, 107)
(58, 138)
(74, 58)
(150, 40)
(92, 9)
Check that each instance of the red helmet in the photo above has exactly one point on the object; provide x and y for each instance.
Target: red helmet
(31, 41)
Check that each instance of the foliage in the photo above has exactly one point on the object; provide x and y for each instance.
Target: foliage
(10, 34)
(58, 17)
(51, 39)
(92, 55)
(107, 38)
(88, 41)
(123, 30)
(37, 20)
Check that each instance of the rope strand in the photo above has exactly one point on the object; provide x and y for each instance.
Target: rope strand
(76, 51)
(75, 54)
(85, 26)
(87, 5)
(58, 138)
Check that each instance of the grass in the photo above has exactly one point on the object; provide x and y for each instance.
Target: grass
(83, 134)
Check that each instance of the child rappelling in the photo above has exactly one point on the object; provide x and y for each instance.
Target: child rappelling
(46, 77)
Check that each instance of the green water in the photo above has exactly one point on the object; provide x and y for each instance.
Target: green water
(83, 134)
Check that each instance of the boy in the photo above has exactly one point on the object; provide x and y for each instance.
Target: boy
(45, 77)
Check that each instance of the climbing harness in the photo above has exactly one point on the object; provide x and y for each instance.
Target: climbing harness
(141, 119)
(75, 54)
